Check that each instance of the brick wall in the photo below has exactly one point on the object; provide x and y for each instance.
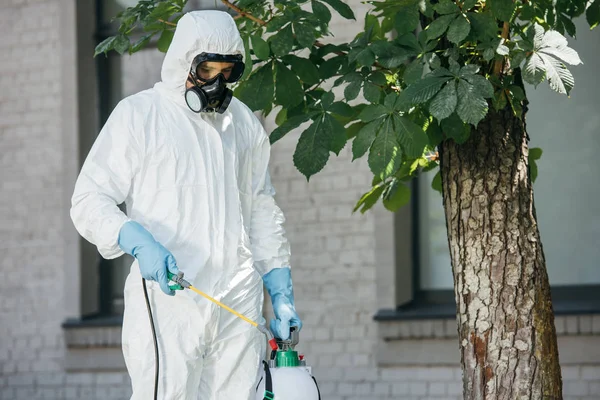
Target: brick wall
(31, 201)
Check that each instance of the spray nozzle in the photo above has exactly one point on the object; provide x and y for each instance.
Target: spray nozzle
(180, 283)
(291, 342)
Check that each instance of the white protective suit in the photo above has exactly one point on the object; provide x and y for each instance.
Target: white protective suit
(199, 184)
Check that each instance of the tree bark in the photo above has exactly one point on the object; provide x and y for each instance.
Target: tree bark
(504, 310)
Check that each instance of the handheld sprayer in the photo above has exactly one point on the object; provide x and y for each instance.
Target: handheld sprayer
(286, 372)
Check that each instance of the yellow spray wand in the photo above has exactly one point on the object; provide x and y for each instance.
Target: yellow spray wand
(183, 284)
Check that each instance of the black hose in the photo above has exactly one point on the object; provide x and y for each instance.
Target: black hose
(154, 338)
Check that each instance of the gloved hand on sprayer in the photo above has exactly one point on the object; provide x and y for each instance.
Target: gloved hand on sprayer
(155, 260)
(279, 285)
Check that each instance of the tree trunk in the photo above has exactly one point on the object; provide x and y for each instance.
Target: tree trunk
(504, 310)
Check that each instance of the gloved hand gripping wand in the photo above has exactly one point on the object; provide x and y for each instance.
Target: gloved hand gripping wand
(181, 284)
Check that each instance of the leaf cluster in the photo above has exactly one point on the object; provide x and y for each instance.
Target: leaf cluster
(419, 73)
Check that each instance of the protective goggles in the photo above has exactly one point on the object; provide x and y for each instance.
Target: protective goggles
(237, 60)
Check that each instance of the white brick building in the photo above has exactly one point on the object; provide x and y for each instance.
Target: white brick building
(346, 267)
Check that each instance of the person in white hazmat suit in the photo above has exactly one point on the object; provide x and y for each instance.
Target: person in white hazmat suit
(193, 175)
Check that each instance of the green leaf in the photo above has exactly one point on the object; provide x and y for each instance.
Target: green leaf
(248, 64)
(453, 66)
(321, 11)
(385, 155)
(364, 138)
(413, 72)
(406, 20)
(260, 47)
(562, 53)
(468, 70)
(517, 92)
(164, 41)
(397, 196)
(411, 136)
(352, 90)
(283, 41)
(257, 91)
(378, 78)
(534, 155)
(446, 7)
(389, 55)
(459, 29)
(365, 57)
(342, 8)
(439, 26)
(287, 126)
(327, 100)
(371, 92)
(550, 50)
(341, 108)
(434, 133)
(288, 89)
(472, 107)
(436, 182)
(352, 130)
(592, 14)
(444, 103)
(426, 8)
(141, 43)
(535, 71)
(372, 112)
(499, 101)
(372, 25)
(105, 46)
(277, 23)
(392, 102)
(336, 131)
(468, 4)
(121, 43)
(304, 68)
(312, 151)
(483, 26)
(305, 34)
(281, 116)
(369, 199)
(482, 86)
(559, 77)
(502, 9)
(488, 54)
(556, 45)
(423, 90)
(502, 49)
(410, 43)
(330, 67)
(454, 128)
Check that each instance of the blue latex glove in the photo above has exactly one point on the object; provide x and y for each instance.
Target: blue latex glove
(153, 258)
(279, 285)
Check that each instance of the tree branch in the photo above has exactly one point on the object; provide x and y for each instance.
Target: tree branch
(263, 23)
(167, 22)
(499, 64)
(243, 13)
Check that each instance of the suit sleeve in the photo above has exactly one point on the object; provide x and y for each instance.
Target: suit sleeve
(270, 246)
(105, 181)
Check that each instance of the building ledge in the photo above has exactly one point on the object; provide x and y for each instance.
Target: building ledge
(93, 344)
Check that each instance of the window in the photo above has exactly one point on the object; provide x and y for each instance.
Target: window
(566, 199)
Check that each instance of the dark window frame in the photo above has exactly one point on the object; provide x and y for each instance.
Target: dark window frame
(440, 304)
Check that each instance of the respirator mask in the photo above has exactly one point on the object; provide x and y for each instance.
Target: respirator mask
(212, 95)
